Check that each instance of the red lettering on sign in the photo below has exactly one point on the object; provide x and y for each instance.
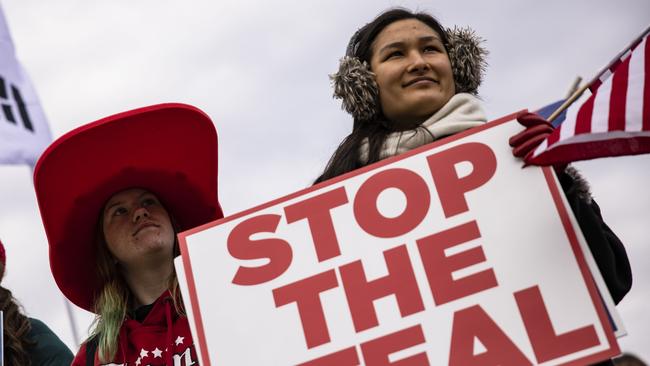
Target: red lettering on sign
(277, 251)
(417, 203)
(376, 352)
(306, 294)
(346, 357)
(439, 267)
(451, 188)
(400, 282)
(317, 211)
(472, 323)
(548, 345)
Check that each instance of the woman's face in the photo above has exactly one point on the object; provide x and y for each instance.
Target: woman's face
(137, 229)
(413, 72)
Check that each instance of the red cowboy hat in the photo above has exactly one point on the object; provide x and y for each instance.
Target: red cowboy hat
(168, 149)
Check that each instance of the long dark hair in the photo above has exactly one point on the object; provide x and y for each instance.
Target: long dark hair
(16, 327)
(346, 156)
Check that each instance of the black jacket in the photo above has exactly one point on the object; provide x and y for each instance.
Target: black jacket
(607, 249)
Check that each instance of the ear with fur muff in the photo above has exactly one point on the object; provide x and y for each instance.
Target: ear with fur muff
(468, 59)
(355, 84)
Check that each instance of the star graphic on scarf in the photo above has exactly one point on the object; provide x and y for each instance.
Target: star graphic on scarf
(179, 340)
(138, 362)
(144, 353)
(157, 353)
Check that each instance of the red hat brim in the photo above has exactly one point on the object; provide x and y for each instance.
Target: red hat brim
(168, 149)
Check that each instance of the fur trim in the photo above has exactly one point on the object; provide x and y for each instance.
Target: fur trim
(468, 59)
(355, 84)
(580, 184)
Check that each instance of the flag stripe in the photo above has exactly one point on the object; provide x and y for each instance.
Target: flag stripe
(616, 119)
(600, 119)
(634, 101)
(567, 129)
(554, 136)
(583, 124)
(602, 78)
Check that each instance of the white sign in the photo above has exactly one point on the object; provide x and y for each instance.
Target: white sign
(24, 132)
(451, 254)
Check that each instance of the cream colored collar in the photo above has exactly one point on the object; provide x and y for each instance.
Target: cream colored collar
(462, 111)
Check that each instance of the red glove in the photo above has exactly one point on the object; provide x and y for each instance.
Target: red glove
(537, 130)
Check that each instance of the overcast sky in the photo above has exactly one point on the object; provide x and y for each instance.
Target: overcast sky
(259, 69)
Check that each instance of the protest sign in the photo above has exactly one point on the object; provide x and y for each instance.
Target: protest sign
(450, 254)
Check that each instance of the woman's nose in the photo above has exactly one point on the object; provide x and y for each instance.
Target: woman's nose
(417, 62)
(140, 213)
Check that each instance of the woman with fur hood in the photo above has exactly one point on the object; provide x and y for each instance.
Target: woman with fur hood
(407, 81)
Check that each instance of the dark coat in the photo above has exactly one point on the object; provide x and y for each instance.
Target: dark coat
(48, 350)
(607, 249)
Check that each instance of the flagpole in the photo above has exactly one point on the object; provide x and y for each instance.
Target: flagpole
(73, 322)
(574, 87)
(582, 89)
(66, 302)
(568, 102)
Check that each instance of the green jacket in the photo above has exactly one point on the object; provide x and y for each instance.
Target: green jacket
(48, 350)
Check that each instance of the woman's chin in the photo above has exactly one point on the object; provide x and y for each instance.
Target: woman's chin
(417, 113)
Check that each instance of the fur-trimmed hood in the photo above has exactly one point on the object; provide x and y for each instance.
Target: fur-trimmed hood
(579, 184)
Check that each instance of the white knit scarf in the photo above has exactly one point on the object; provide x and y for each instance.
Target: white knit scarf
(462, 111)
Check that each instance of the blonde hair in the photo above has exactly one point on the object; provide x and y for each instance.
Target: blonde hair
(115, 298)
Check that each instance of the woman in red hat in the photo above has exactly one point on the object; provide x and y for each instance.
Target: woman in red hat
(27, 341)
(113, 194)
(407, 81)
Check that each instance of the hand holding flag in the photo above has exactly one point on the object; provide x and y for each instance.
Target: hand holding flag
(537, 130)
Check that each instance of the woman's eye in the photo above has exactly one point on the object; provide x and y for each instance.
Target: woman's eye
(431, 49)
(394, 54)
(148, 202)
(119, 211)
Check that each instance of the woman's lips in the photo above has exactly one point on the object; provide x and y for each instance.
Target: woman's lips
(420, 81)
(144, 226)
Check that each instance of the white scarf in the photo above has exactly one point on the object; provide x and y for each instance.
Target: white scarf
(462, 111)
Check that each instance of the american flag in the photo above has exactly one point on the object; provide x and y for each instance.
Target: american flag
(613, 121)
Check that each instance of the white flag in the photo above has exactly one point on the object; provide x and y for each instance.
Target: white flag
(24, 132)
